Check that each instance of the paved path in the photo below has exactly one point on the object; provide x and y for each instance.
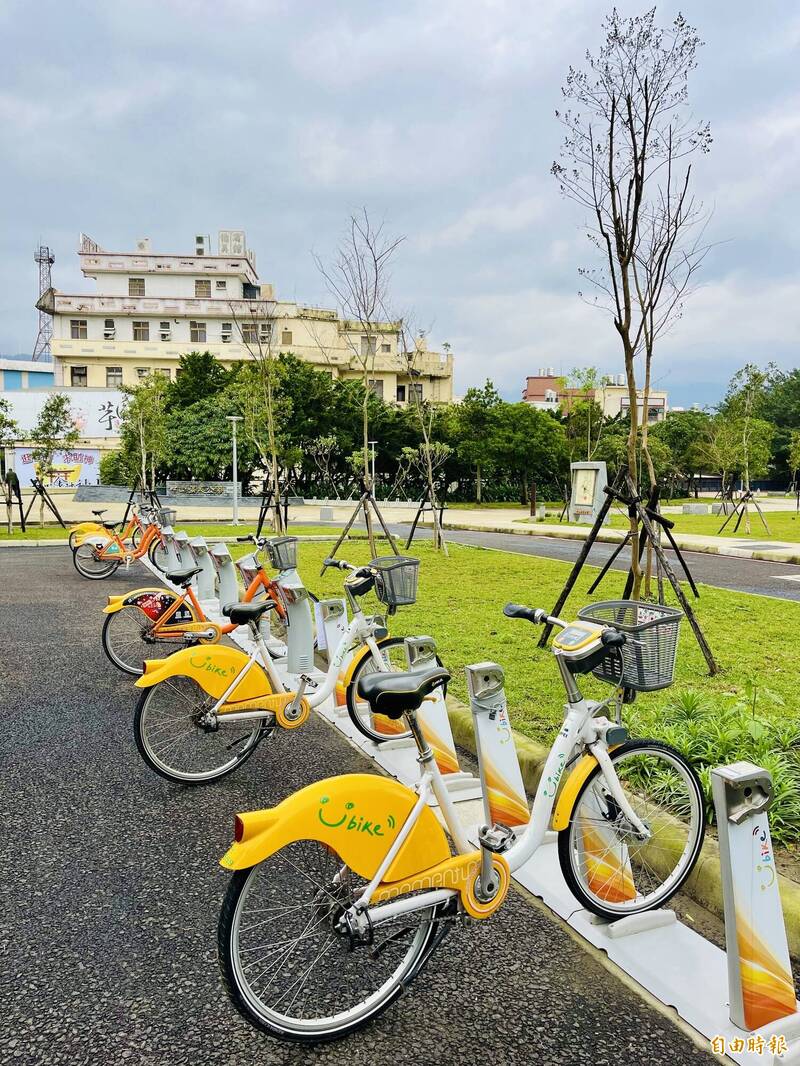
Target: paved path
(112, 889)
(781, 580)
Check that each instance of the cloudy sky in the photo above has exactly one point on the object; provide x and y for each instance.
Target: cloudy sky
(280, 117)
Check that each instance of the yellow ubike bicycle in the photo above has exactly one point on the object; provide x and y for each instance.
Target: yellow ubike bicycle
(343, 891)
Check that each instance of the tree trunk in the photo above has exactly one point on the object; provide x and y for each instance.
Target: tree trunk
(478, 485)
(633, 434)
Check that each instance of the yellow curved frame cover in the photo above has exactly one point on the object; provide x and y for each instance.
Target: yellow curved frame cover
(356, 815)
(213, 668)
(128, 599)
(569, 792)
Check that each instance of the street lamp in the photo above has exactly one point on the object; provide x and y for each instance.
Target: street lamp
(233, 419)
(372, 444)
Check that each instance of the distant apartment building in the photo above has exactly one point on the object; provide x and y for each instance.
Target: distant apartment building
(151, 308)
(549, 392)
(18, 374)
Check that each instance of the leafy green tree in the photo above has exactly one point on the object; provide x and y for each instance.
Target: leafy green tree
(55, 429)
(115, 469)
(743, 406)
(686, 434)
(200, 441)
(143, 429)
(474, 421)
(794, 454)
(199, 376)
(528, 443)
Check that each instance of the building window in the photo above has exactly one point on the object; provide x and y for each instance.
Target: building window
(164, 371)
(109, 330)
(227, 331)
(113, 377)
(141, 331)
(78, 377)
(197, 332)
(286, 336)
(367, 347)
(377, 387)
(265, 332)
(135, 286)
(77, 329)
(202, 287)
(165, 330)
(415, 392)
(221, 286)
(386, 347)
(401, 394)
(249, 334)
(142, 372)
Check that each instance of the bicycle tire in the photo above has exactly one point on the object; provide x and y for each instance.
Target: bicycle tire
(101, 572)
(631, 863)
(158, 561)
(241, 989)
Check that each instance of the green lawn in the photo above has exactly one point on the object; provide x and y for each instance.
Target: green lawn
(194, 529)
(713, 719)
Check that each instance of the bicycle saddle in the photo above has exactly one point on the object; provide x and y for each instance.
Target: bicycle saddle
(242, 613)
(393, 694)
(183, 577)
(98, 513)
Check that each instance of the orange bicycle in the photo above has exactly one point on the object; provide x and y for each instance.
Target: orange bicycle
(133, 530)
(99, 555)
(151, 623)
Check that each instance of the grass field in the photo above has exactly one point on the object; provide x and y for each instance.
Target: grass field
(783, 525)
(746, 711)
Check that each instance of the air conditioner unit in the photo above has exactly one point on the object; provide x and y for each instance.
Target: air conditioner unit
(226, 334)
(109, 334)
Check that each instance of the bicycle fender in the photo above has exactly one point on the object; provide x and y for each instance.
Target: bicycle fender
(153, 601)
(345, 678)
(570, 789)
(358, 816)
(213, 668)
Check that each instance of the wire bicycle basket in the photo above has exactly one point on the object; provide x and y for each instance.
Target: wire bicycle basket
(396, 579)
(647, 661)
(282, 552)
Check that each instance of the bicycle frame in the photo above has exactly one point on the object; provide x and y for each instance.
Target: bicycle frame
(87, 529)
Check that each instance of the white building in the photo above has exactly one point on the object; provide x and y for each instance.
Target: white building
(151, 308)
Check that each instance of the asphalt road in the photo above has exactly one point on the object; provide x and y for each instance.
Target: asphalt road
(780, 580)
(112, 889)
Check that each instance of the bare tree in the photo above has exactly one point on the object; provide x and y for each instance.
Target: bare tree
(358, 279)
(625, 158)
(413, 349)
(256, 326)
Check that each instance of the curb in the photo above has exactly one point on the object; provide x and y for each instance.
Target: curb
(704, 885)
(612, 536)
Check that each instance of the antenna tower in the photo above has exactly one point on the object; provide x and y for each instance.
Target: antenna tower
(45, 258)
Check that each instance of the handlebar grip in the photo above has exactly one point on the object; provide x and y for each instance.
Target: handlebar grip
(613, 638)
(531, 614)
(242, 539)
(329, 562)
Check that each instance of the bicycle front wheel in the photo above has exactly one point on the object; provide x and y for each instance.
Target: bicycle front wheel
(172, 740)
(607, 865)
(289, 966)
(89, 564)
(377, 726)
(128, 640)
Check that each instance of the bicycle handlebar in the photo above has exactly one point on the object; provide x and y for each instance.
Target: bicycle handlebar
(532, 614)
(338, 564)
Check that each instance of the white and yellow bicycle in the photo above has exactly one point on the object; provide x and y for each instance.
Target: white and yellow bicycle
(343, 891)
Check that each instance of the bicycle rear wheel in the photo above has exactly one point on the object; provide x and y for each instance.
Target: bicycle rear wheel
(609, 869)
(289, 966)
(89, 564)
(173, 742)
(128, 641)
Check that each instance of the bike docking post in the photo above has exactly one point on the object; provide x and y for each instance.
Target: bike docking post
(504, 798)
(435, 723)
(173, 561)
(182, 548)
(331, 621)
(761, 993)
(207, 578)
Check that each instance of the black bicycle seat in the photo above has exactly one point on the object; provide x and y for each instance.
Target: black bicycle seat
(182, 577)
(393, 694)
(242, 613)
(98, 513)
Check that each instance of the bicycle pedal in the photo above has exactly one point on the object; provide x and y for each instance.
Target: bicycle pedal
(496, 839)
(309, 681)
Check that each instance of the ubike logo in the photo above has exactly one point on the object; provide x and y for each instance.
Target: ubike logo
(205, 662)
(499, 714)
(352, 823)
(765, 865)
(551, 781)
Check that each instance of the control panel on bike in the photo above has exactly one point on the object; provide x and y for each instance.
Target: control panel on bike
(577, 637)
